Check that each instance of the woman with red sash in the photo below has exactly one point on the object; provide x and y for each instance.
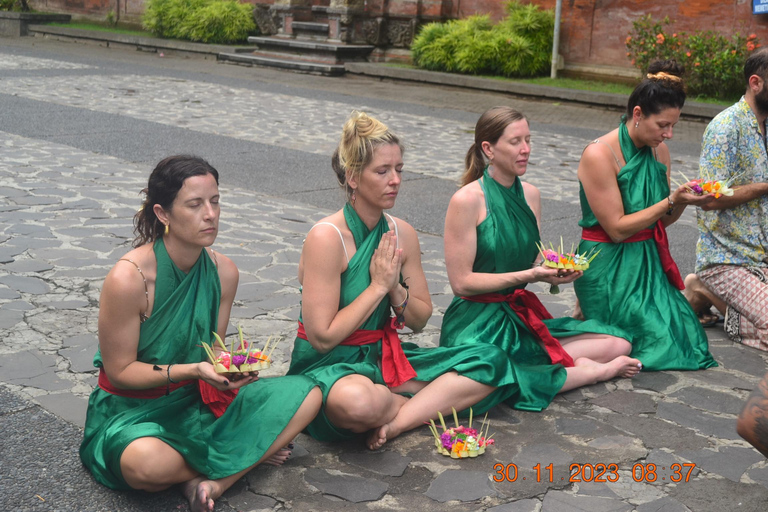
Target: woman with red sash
(491, 231)
(358, 267)
(626, 205)
(148, 424)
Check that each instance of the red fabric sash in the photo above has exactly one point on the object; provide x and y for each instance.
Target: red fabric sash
(216, 400)
(531, 311)
(395, 367)
(659, 235)
(137, 393)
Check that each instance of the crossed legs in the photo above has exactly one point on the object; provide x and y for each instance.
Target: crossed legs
(151, 465)
(357, 404)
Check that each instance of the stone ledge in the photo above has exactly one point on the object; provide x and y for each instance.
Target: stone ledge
(143, 43)
(614, 101)
(16, 24)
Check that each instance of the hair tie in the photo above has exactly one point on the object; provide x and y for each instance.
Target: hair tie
(662, 75)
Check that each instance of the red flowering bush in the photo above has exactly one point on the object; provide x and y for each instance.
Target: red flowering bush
(714, 63)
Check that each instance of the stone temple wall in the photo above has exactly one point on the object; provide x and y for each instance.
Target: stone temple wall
(592, 31)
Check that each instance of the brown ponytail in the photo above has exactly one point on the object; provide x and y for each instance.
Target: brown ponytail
(489, 128)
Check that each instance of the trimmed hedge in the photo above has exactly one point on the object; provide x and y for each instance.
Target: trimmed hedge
(205, 21)
(520, 45)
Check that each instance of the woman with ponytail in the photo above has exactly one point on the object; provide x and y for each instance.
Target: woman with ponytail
(148, 425)
(626, 204)
(491, 232)
(362, 279)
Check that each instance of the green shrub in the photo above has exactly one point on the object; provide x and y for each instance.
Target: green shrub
(714, 64)
(207, 21)
(520, 45)
(221, 23)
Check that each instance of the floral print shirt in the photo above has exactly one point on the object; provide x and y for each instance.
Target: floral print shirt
(734, 148)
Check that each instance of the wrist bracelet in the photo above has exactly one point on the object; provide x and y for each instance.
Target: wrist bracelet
(671, 205)
(168, 374)
(405, 301)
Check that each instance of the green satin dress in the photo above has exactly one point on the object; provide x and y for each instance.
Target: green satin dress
(480, 364)
(626, 285)
(506, 242)
(185, 311)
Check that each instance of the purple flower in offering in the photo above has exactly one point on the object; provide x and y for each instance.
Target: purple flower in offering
(238, 359)
(696, 189)
(550, 255)
(445, 438)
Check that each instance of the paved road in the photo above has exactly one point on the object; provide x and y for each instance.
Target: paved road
(81, 127)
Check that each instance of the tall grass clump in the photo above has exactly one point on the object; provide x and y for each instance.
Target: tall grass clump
(520, 45)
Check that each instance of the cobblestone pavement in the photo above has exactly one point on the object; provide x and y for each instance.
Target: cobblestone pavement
(66, 219)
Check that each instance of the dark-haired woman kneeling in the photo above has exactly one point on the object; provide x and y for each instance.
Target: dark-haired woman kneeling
(147, 426)
(626, 205)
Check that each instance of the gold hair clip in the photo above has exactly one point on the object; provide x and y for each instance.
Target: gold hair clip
(661, 75)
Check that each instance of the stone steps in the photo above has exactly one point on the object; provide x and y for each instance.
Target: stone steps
(283, 61)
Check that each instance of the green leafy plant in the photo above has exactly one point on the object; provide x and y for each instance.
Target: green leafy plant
(713, 63)
(520, 45)
(111, 19)
(14, 5)
(207, 21)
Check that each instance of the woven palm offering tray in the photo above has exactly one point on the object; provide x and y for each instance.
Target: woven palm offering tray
(243, 357)
(460, 442)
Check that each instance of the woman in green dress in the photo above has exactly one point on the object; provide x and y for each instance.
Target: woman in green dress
(147, 425)
(356, 266)
(626, 205)
(491, 232)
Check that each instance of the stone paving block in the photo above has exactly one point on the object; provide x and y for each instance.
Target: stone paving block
(66, 304)
(251, 502)
(529, 505)
(9, 318)
(596, 489)
(31, 368)
(584, 393)
(99, 244)
(66, 406)
(80, 358)
(759, 475)
(704, 423)
(665, 504)
(7, 254)
(251, 292)
(28, 265)
(564, 502)
(25, 284)
(655, 433)
(23, 243)
(621, 447)
(16, 305)
(729, 461)
(707, 399)
(347, 487)
(543, 454)
(30, 230)
(383, 462)
(745, 359)
(719, 495)
(459, 485)
(720, 377)
(626, 402)
(654, 381)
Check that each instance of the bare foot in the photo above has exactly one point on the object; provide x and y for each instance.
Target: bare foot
(625, 366)
(622, 366)
(199, 492)
(282, 455)
(381, 435)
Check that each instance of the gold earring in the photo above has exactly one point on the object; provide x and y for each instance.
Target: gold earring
(353, 198)
(167, 228)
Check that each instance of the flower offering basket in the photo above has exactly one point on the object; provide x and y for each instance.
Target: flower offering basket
(709, 185)
(558, 258)
(244, 357)
(461, 442)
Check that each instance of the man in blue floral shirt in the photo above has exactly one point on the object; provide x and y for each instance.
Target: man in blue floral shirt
(731, 259)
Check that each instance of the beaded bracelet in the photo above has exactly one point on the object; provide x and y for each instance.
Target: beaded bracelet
(400, 317)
